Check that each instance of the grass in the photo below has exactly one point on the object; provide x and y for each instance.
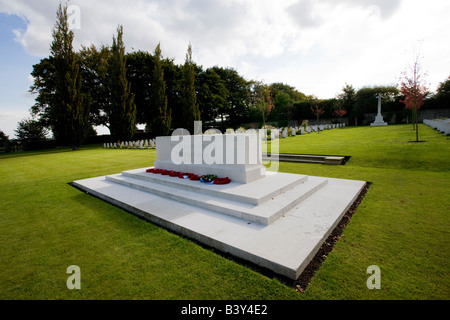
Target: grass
(402, 226)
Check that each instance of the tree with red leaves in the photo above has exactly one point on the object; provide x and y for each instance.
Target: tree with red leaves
(339, 110)
(260, 98)
(414, 91)
(318, 110)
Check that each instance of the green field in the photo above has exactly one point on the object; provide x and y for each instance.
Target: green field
(402, 226)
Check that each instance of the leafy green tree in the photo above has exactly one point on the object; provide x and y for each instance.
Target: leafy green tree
(68, 116)
(294, 95)
(260, 99)
(162, 118)
(173, 76)
(3, 137)
(122, 115)
(4, 141)
(30, 130)
(443, 94)
(44, 85)
(191, 108)
(95, 82)
(212, 97)
(140, 66)
(285, 98)
(283, 106)
(346, 101)
(236, 96)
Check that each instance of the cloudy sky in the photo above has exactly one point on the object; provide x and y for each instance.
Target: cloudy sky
(317, 46)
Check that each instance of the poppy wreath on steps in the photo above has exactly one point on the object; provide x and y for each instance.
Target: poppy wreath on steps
(222, 180)
(207, 179)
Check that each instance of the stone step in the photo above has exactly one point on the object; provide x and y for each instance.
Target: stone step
(265, 213)
(268, 187)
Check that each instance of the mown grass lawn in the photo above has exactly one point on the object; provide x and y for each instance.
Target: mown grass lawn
(402, 226)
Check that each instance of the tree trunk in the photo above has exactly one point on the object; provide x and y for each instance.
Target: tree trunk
(317, 124)
(417, 125)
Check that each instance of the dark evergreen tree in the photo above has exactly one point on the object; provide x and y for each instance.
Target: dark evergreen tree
(162, 119)
(122, 115)
(68, 116)
(191, 109)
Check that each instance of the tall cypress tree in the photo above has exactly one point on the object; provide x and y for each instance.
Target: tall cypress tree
(68, 116)
(122, 115)
(191, 108)
(163, 118)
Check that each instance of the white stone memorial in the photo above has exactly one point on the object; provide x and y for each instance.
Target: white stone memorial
(236, 156)
(275, 220)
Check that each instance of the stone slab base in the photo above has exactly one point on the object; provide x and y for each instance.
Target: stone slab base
(278, 222)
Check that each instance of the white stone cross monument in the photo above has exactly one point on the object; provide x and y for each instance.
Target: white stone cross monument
(379, 118)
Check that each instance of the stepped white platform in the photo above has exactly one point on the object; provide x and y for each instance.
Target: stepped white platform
(277, 222)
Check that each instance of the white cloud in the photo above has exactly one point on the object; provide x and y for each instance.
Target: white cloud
(316, 46)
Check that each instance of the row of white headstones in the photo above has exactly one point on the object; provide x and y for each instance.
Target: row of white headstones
(441, 125)
(139, 144)
(283, 133)
(275, 133)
